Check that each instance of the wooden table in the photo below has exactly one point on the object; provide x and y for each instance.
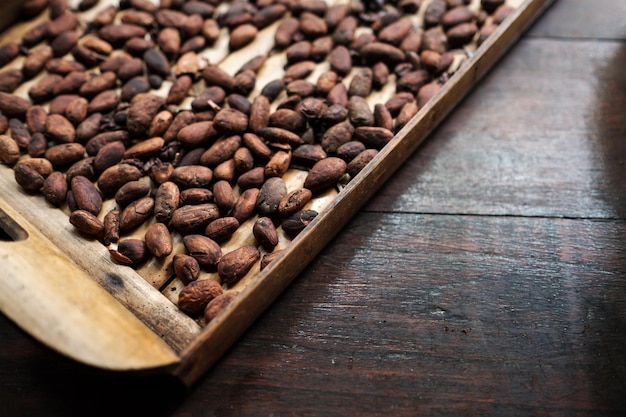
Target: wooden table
(488, 277)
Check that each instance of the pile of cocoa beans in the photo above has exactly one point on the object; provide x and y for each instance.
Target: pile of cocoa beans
(124, 107)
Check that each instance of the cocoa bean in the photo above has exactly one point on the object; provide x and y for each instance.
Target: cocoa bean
(360, 161)
(278, 164)
(205, 250)
(245, 205)
(236, 264)
(86, 222)
(221, 229)
(324, 174)
(186, 267)
(196, 134)
(294, 224)
(131, 252)
(10, 79)
(86, 195)
(308, 154)
(187, 219)
(223, 196)
(158, 240)
(65, 154)
(166, 201)
(270, 196)
(143, 108)
(294, 201)
(219, 304)
(194, 298)
(115, 176)
(59, 129)
(28, 178)
(9, 150)
(13, 106)
(55, 188)
(221, 151)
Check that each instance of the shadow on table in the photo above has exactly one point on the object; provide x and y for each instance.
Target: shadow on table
(58, 386)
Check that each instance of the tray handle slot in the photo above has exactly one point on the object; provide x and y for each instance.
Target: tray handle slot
(10, 230)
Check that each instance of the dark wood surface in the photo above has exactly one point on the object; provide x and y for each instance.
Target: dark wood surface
(487, 278)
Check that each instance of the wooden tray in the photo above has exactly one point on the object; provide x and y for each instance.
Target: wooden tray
(66, 292)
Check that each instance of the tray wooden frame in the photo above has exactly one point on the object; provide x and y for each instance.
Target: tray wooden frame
(65, 291)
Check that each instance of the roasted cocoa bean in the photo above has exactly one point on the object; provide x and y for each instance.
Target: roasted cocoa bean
(324, 174)
(86, 195)
(65, 154)
(9, 150)
(186, 267)
(167, 199)
(221, 229)
(159, 240)
(245, 205)
(86, 223)
(205, 250)
(187, 219)
(192, 176)
(55, 188)
(219, 304)
(236, 264)
(132, 252)
(294, 224)
(117, 175)
(194, 298)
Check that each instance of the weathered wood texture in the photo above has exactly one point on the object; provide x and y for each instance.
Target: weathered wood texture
(487, 278)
